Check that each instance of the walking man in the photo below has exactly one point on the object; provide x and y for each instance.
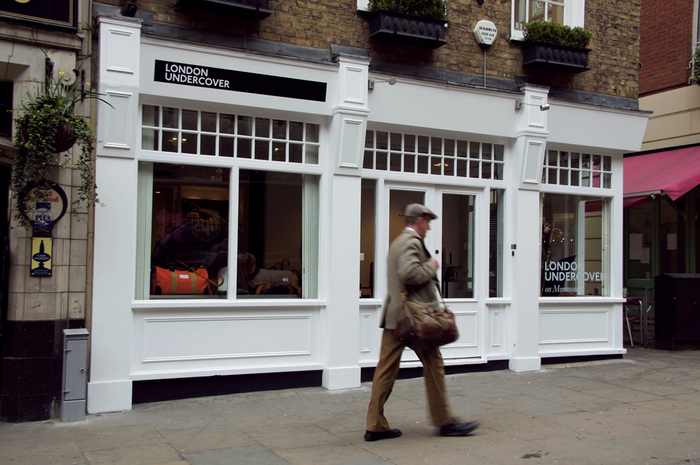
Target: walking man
(410, 263)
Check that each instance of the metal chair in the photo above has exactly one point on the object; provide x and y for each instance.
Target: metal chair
(644, 305)
(629, 317)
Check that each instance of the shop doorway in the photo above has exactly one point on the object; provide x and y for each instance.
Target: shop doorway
(456, 239)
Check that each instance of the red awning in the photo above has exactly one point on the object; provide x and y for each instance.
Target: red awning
(672, 172)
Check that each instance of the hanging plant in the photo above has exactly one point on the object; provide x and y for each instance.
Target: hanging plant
(695, 74)
(46, 127)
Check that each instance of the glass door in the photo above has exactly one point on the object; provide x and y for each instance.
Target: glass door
(457, 245)
(452, 239)
(398, 200)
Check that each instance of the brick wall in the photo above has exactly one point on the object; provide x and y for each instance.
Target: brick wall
(666, 45)
(318, 24)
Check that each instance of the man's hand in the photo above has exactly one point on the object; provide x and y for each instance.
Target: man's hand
(435, 262)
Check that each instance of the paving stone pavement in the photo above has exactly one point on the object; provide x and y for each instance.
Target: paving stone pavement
(643, 409)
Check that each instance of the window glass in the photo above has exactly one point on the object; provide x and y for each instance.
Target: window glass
(458, 246)
(672, 236)
(184, 233)
(569, 12)
(189, 231)
(189, 119)
(398, 200)
(367, 234)
(496, 220)
(575, 249)
(640, 231)
(277, 234)
(538, 10)
(151, 117)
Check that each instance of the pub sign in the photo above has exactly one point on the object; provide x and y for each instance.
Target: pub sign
(55, 13)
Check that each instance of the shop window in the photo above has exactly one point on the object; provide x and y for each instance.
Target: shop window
(577, 169)
(278, 234)
(458, 246)
(175, 130)
(409, 153)
(367, 237)
(575, 246)
(568, 12)
(189, 231)
(185, 231)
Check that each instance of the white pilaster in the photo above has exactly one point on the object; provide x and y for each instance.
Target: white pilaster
(110, 386)
(529, 150)
(348, 127)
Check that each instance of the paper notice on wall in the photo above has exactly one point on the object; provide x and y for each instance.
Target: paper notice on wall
(646, 255)
(672, 241)
(636, 241)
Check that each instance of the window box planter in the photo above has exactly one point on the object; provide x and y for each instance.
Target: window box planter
(391, 26)
(555, 57)
(256, 9)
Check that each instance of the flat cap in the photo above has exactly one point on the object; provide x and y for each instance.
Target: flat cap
(416, 210)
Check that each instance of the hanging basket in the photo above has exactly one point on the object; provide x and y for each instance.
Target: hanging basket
(65, 136)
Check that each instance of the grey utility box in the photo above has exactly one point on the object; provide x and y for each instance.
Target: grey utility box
(75, 351)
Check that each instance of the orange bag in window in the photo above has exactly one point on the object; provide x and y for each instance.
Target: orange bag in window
(171, 281)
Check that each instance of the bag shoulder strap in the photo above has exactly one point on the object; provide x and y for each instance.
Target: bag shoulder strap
(404, 293)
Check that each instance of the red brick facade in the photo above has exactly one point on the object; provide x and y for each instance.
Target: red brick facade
(318, 24)
(666, 45)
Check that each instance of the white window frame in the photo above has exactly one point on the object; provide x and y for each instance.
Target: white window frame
(311, 216)
(574, 15)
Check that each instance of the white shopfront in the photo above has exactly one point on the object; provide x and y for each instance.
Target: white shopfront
(232, 164)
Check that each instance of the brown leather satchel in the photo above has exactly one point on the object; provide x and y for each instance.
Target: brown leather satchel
(422, 329)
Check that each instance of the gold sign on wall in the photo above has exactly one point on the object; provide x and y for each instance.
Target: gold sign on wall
(60, 13)
(42, 250)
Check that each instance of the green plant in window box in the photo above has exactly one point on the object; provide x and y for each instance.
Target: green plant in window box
(47, 126)
(555, 33)
(435, 9)
(410, 22)
(555, 47)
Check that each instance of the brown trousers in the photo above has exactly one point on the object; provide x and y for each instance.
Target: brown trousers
(385, 375)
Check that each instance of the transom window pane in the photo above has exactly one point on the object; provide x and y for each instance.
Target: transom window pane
(578, 170)
(227, 135)
(410, 153)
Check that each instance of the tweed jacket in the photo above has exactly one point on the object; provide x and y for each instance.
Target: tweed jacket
(408, 262)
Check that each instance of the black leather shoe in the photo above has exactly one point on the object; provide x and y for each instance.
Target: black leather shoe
(373, 436)
(458, 428)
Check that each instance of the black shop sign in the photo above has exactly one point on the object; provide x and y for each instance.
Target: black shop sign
(238, 81)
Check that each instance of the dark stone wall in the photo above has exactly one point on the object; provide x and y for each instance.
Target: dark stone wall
(32, 364)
